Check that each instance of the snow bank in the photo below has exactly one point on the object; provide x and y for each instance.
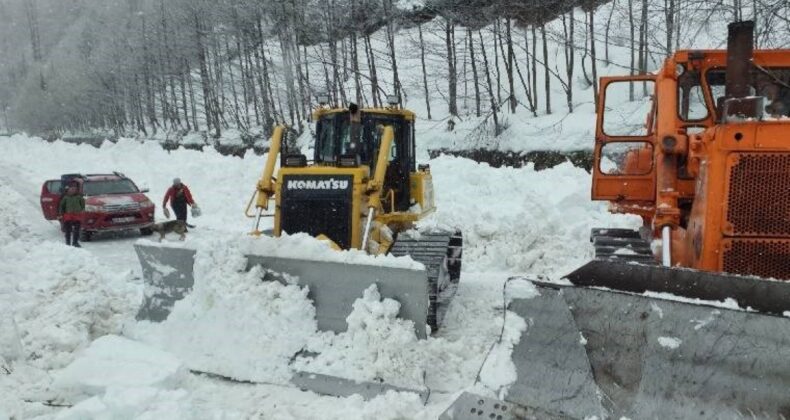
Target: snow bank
(112, 361)
(63, 299)
(221, 185)
(520, 220)
(56, 298)
(143, 403)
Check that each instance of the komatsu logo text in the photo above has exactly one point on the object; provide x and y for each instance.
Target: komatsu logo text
(315, 184)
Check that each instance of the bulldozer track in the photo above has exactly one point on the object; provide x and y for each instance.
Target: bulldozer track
(440, 253)
(625, 245)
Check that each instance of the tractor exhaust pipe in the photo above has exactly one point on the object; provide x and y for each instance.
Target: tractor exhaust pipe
(740, 45)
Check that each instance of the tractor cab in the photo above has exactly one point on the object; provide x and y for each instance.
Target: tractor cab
(352, 139)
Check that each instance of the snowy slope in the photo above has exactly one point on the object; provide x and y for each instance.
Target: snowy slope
(515, 221)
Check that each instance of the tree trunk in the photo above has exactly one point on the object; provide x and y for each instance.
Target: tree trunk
(593, 57)
(234, 94)
(631, 24)
(32, 22)
(643, 45)
(669, 10)
(606, 36)
(494, 104)
(570, 55)
(534, 67)
(546, 68)
(452, 76)
(211, 116)
(424, 72)
(267, 98)
(355, 70)
(396, 85)
(475, 77)
(374, 80)
(184, 104)
(510, 61)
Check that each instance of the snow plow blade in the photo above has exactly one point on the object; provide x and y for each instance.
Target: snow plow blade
(342, 387)
(168, 276)
(758, 294)
(589, 351)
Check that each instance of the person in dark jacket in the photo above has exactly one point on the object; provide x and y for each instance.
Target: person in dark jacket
(70, 210)
(179, 197)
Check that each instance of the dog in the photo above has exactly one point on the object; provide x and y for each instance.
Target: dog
(175, 226)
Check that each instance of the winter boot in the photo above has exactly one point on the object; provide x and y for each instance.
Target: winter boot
(75, 238)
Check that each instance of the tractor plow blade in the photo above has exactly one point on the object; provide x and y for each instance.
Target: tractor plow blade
(755, 293)
(593, 352)
(342, 387)
(168, 275)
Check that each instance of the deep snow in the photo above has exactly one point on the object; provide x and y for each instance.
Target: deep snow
(66, 302)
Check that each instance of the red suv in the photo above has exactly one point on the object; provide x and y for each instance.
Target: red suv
(112, 202)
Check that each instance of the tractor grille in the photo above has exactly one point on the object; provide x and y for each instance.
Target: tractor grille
(759, 195)
(318, 205)
(758, 257)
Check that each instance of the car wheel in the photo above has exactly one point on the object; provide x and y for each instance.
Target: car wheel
(146, 231)
(86, 236)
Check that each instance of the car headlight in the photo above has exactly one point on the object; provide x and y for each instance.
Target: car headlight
(90, 208)
(146, 203)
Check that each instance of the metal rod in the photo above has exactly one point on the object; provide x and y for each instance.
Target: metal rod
(666, 247)
(369, 220)
(257, 221)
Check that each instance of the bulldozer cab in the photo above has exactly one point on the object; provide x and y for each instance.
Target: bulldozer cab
(352, 139)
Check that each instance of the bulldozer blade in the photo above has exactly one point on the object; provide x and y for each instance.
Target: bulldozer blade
(168, 277)
(334, 286)
(759, 294)
(596, 352)
(470, 406)
(342, 387)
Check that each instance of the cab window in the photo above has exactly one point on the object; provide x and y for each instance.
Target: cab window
(625, 108)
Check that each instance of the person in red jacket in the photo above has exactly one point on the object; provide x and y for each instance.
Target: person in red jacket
(179, 197)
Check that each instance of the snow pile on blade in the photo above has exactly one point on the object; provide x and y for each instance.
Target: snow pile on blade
(232, 323)
(377, 346)
(235, 325)
(295, 246)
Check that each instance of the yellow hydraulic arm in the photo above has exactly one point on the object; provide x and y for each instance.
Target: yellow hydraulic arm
(265, 187)
(376, 184)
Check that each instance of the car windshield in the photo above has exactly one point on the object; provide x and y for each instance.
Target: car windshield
(115, 186)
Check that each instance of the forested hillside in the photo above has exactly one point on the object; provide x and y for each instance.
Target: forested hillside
(165, 68)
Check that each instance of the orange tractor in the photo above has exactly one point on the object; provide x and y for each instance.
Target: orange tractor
(708, 170)
(689, 316)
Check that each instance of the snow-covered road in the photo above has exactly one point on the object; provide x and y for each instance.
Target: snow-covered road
(66, 304)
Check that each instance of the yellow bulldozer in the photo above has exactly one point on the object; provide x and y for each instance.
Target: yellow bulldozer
(361, 190)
